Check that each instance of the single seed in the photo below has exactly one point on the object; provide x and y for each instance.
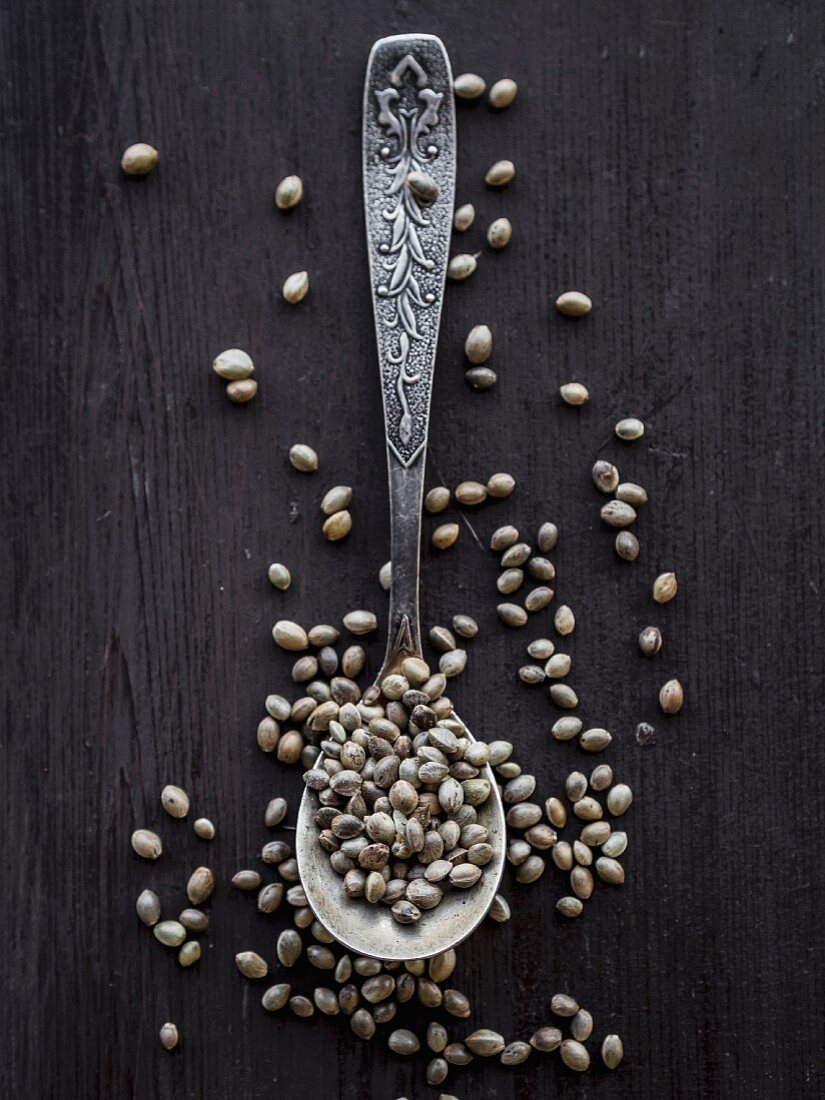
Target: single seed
(464, 217)
(582, 853)
(618, 514)
(574, 393)
(481, 378)
(469, 86)
(569, 907)
(444, 536)
(470, 492)
(610, 870)
(289, 635)
(502, 93)
(295, 287)
(546, 1039)
(436, 1037)
(531, 870)
(650, 641)
(612, 1051)
(573, 303)
(619, 799)
(437, 499)
(575, 786)
(563, 1004)
(423, 187)
(139, 159)
(515, 1053)
(541, 649)
(337, 526)
(556, 812)
(453, 663)
(278, 707)
(461, 266)
(499, 910)
(276, 996)
(465, 625)
(564, 620)
(500, 173)
(279, 576)
(275, 812)
(562, 855)
(501, 485)
(403, 1041)
(615, 845)
(626, 546)
(503, 538)
(605, 476)
(485, 1042)
(558, 666)
(601, 777)
(574, 1055)
(631, 493)
(246, 880)
(595, 740)
(233, 365)
(170, 933)
(596, 833)
(200, 886)
(664, 587)
(360, 622)
(189, 953)
(581, 1026)
(241, 392)
(511, 614)
(478, 347)
(303, 458)
(564, 696)
(326, 1001)
(251, 965)
(385, 576)
(509, 581)
(499, 233)
(147, 844)
(457, 1054)
(629, 429)
(289, 947)
(538, 598)
(581, 882)
(548, 536)
(531, 674)
(169, 1036)
(336, 499)
(587, 808)
(289, 192)
(148, 907)
(174, 800)
(671, 697)
(193, 920)
(268, 734)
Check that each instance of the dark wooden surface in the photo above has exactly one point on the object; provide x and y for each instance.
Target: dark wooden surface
(670, 162)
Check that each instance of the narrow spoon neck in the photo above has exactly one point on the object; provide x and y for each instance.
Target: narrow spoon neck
(406, 490)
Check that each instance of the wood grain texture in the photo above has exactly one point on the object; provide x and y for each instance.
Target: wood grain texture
(670, 162)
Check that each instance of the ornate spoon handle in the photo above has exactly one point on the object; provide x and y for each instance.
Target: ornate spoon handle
(409, 126)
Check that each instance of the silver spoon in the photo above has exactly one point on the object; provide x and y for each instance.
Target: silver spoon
(409, 126)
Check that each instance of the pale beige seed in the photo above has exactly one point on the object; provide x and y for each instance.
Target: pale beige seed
(574, 393)
(538, 598)
(147, 844)
(574, 1055)
(444, 536)
(437, 499)
(511, 614)
(189, 953)
(148, 907)
(360, 622)
(581, 882)
(336, 499)
(595, 740)
(469, 86)
(470, 492)
(596, 833)
(499, 233)
(200, 886)
(601, 777)
(169, 1036)
(453, 663)
(565, 729)
(246, 880)
(303, 458)
(610, 870)
(509, 581)
(424, 188)
(276, 996)
(629, 429)
(569, 907)
(541, 649)
(289, 635)
(564, 696)
(605, 476)
(337, 526)
(174, 800)
(233, 365)
(464, 217)
(664, 587)
(478, 347)
(500, 173)
(279, 576)
(461, 266)
(588, 809)
(650, 641)
(485, 1042)
(295, 287)
(563, 1004)
(139, 159)
(619, 799)
(626, 546)
(548, 536)
(503, 538)
(251, 965)
(582, 854)
(615, 845)
(465, 625)
(531, 674)
(556, 812)
(501, 485)
(618, 514)
(564, 620)
(612, 1051)
(289, 192)
(573, 303)
(671, 697)
(631, 493)
(170, 933)
(499, 910)
(241, 392)
(385, 576)
(515, 1053)
(502, 93)
(558, 666)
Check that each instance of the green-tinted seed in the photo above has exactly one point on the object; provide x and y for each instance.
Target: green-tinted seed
(204, 828)
(612, 1051)
(574, 393)
(170, 933)
(502, 93)
(469, 86)
(569, 907)
(464, 217)
(189, 953)
(481, 378)
(289, 192)
(615, 845)
(629, 429)
(664, 587)
(461, 267)
(233, 365)
(573, 303)
(295, 287)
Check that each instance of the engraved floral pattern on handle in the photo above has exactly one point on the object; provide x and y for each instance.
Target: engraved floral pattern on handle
(409, 127)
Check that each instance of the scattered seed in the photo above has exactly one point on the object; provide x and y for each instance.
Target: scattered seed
(464, 217)
(573, 303)
(595, 740)
(671, 697)
(485, 1042)
(461, 266)
(629, 429)
(470, 492)
(499, 233)
(337, 526)
(564, 620)
(515, 1053)
(510, 581)
(501, 485)
(147, 844)
(605, 476)
(246, 880)
(612, 1051)
(268, 734)
(444, 536)
(465, 625)
(574, 393)
(193, 920)
(200, 886)
(296, 286)
(650, 641)
(503, 538)
(404, 1042)
(169, 1036)
(631, 493)
(581, 1026)
(500, 173)
(453, 663)
(241, 392)
(276, 996)
(556, 812)
(481, 378)
(148, 907)
(664, 587)
(289, 192)
(581, 882)
(512, 615)
(437, 499)
(336, 499)
(303, 458)
(502, 93)
(499, 910)
(541, 649)
(175, 801)
(548, 536)
(558, 666)
(626, 545)
(289, 947)
(360, 622)
(564, 696)
(469, 86)
(279, 576)
(442, 639)
(546, 1039)
(615, 845)
(531, 674)
(424, 188)
(275, 812)
(189, 953)
(233, 365)
(574, 1055)
(478, 347)
(170, 933)
(289, 635)
(538, 598)
(139, 159)
(385, 576)
(610, 870)
(601, 777)
(618, 514)
(569, 907)
(563, 1004)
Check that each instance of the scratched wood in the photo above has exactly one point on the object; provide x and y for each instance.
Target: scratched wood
(670, 162)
